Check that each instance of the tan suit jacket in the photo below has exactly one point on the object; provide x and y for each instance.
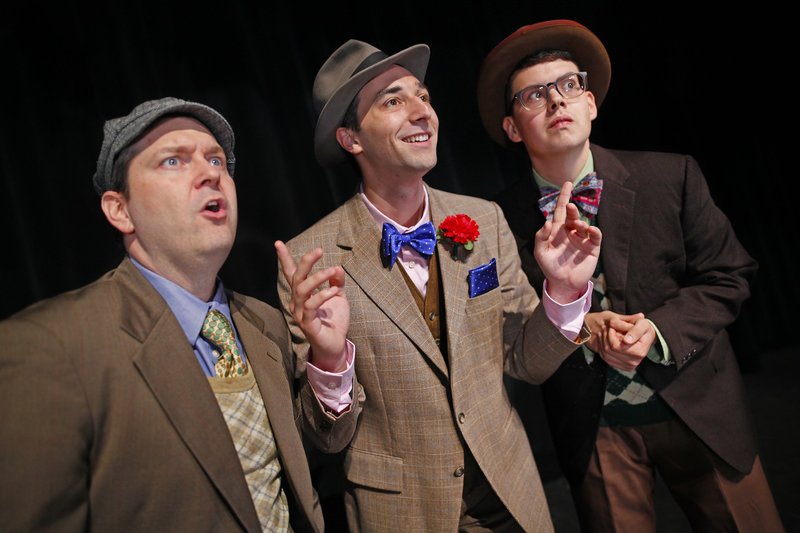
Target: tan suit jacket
(109, 423)
(404, 464)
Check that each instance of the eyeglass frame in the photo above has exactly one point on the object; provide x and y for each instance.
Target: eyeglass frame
(582, 76)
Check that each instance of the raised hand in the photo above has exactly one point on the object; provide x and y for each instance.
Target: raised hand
(323, 313)
(567, 250)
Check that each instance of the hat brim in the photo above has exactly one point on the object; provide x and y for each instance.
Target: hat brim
(587, 50)
(326, 147)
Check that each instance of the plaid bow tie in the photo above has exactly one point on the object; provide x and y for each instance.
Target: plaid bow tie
(422, 239)
(585, 195)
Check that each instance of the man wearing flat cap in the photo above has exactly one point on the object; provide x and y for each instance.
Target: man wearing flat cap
(154, 399)
(440, 310)
(657, 388)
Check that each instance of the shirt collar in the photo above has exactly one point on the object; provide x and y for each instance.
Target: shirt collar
(189, 310)
(587, 167)
(380, 218)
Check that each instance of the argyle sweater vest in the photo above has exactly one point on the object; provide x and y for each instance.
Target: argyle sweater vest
(243, 408)
(629, 400)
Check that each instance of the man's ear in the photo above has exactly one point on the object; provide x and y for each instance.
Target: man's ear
(511, 129)
(592, 105)
(347, 140)
(115, 208)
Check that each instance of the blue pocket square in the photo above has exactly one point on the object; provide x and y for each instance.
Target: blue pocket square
(482, 279)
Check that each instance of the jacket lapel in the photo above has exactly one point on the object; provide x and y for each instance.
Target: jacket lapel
(387, 288)
(615, 220)
(168, 365)
(267, 367)
(454, 274)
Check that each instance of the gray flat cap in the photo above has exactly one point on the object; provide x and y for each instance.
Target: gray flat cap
(119, 133)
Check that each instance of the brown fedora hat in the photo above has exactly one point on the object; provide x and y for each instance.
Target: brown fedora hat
(340, 78)
(587, 50)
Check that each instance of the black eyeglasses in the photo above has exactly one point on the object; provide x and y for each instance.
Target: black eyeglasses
(569, 86)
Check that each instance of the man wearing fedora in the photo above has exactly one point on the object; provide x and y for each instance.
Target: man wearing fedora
(657, 389)
(435, 321)
(154, 399)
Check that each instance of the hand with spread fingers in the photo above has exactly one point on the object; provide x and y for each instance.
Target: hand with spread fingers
(567, 249)
(323, 313)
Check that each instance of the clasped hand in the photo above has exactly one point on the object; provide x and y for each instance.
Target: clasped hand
(623, 341)
(322, 313)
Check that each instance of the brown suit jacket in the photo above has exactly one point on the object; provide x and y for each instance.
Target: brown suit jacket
(109, 422)
(404, 464)
(669, 252)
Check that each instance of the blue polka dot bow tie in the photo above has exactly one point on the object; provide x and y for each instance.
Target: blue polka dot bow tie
(585, 195)
(422, 239)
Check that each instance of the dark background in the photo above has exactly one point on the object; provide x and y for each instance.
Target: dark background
(717, 86)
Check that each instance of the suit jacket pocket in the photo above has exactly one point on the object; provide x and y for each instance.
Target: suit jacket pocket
(374, 470)
(483, 279)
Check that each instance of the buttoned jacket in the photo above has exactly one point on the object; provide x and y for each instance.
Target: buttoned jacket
(424, 408)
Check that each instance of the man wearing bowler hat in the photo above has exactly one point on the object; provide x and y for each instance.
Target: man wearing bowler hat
(154, 399)
(657, 389)
(440, 309)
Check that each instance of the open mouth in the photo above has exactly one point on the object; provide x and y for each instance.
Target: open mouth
(214, 206)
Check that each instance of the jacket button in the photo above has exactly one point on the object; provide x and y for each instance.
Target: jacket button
(462, 417)
(432, 316)
(459, 471)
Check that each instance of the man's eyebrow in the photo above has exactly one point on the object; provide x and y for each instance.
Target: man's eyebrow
(394, 89)
(178, 148)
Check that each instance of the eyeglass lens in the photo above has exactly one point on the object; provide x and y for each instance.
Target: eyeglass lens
(568, 86)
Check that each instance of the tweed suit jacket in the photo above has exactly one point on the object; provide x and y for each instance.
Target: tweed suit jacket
(669, 252)
(404, 465)
(109, 422)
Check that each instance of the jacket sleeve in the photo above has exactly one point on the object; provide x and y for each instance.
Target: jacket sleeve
(45, 433)
(703, 285)
(534, 346)
(328, 431)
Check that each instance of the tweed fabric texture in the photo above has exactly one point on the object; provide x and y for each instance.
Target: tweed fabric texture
(425, 414)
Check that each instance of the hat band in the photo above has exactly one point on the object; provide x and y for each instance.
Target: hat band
(373, 58)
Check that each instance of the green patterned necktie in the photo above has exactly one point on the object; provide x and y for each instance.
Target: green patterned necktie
(217, 330)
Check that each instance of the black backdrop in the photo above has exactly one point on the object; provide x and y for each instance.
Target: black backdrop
(716, 87)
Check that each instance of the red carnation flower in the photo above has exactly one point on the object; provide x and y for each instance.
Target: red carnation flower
(460, 231)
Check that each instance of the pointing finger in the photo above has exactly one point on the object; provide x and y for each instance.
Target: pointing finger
(560, 212)
(285, 259)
